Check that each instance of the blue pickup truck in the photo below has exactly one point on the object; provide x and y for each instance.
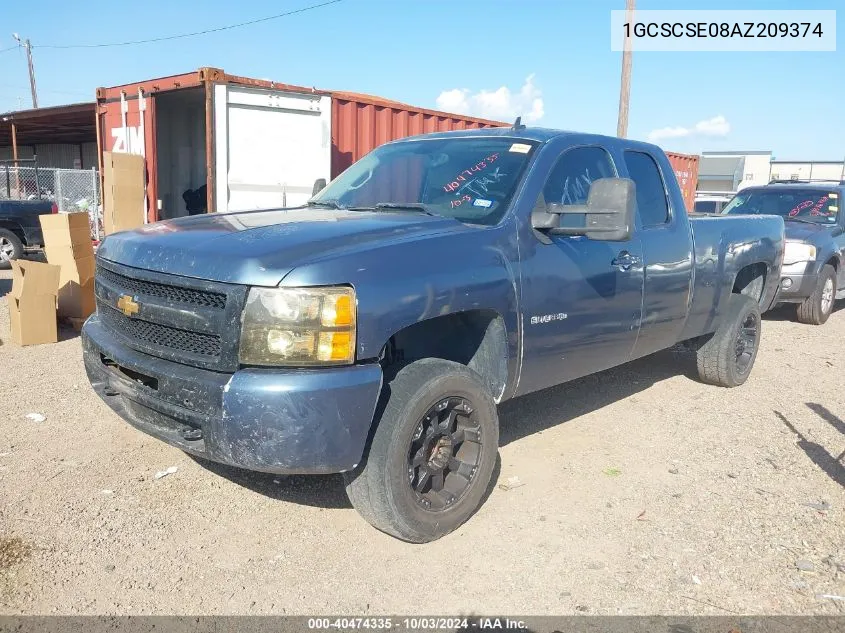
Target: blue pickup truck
(20, 228)
(373, 331)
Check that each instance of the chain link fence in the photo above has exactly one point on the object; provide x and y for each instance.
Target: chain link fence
(72, 190)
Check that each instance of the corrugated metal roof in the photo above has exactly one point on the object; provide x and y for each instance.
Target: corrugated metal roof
(73, 123)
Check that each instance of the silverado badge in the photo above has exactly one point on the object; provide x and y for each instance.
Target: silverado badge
(128, 305)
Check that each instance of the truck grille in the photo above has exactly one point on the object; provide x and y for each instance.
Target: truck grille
(186, 320)
(163, 291)
(162, 335)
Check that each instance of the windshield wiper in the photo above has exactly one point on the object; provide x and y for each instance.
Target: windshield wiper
(329, 204)
(412, 206)
(788, 219)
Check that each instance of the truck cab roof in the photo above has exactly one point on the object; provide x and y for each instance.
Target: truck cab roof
(826, 185)
(536, 134)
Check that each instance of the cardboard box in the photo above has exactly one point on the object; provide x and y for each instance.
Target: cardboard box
(124, 186)
(65, 229)
(76, 300)
(67, 244)
(32, 303)
(76, 281)
(68, 252)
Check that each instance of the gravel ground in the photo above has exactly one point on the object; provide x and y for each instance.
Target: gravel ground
(644, 492)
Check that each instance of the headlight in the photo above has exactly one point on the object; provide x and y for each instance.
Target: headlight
(298, 327)
(795, 252)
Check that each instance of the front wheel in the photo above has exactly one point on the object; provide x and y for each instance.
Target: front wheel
(11, 248)
(818, 306)
(432, 454)
(727, 357)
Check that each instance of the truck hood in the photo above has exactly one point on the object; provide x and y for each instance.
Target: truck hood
(261, 247)
(803, 232)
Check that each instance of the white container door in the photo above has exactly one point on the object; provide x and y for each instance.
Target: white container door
(270, 147)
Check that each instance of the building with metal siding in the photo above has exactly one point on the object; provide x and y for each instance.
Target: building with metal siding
(25, 152)
(61, 155)
(89, 155)
(808, 170)
(731, 171)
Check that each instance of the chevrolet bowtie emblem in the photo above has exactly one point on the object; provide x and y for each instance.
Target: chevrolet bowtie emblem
(128, 305)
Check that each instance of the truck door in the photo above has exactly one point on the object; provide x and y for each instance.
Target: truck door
(581, 298)
(270, 147)
(667, 254)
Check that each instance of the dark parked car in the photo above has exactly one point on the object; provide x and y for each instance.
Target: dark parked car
(373, 331)
(813, 273)
(711, 202)
(20, 228)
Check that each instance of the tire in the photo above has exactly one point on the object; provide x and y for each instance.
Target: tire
(11, 248)
(816, 308)
(422, 480)
(726, 359)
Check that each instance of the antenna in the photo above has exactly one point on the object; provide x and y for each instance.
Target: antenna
(517, 125)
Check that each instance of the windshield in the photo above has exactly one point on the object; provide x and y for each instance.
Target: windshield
(471, 179)
(811, 205)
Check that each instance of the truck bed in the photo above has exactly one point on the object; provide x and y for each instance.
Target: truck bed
(21, 217)
(722, 246)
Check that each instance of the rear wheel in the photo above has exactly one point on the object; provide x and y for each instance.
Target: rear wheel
(432, 454)
(818, 306)
(11, 248)
(727, 357)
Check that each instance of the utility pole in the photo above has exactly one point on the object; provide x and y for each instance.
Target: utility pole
(625, 88)
(28, 47)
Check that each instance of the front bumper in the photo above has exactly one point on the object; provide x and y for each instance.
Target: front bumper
(269, 420)
(802, 279)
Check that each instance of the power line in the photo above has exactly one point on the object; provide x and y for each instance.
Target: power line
(60, 92)
(183, 35)
(11, 48)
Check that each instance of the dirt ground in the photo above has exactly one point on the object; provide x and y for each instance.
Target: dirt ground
(644, 492)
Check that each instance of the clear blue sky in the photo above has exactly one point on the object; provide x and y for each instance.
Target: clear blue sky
(413, 51)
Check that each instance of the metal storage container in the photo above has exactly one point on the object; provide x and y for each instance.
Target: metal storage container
(686, 171)
(251, 143)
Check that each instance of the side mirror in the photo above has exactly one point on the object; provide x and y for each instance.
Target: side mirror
(319, 185)
(609, 212)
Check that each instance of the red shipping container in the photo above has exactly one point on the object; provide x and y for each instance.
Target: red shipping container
(226, 143)
(686, 171)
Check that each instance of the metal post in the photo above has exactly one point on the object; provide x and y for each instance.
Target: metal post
(142, 108)
(14, 141)
(625, 88)
(57, 180)
(95, 203)
(8, 182)
(37, 179)
(15, 158)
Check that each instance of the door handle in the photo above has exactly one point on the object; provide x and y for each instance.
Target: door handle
(625, 260)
